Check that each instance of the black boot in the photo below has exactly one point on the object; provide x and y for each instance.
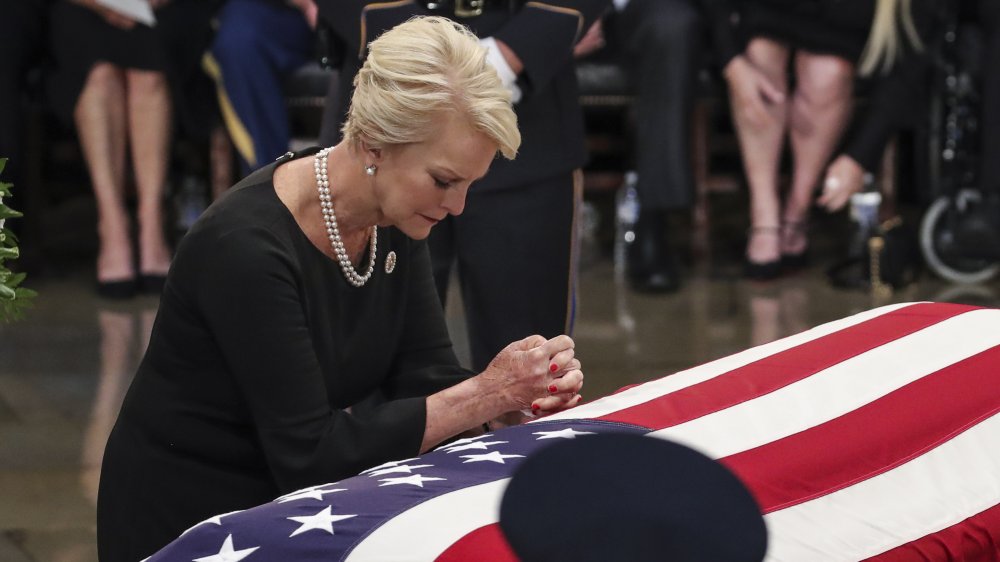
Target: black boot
(650, 266)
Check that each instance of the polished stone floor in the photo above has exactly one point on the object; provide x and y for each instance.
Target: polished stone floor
(64, 369)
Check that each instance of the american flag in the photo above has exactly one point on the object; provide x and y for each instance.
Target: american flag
(875, 437)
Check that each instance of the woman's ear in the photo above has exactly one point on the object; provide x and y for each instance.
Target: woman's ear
(372, 154)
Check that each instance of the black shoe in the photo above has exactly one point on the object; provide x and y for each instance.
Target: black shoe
(117, 290)
(649, 265)
(150, 284)
(762, 271)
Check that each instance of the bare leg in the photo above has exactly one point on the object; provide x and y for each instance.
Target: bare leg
(820, 109)
(100, 124)
(760, 145)
(149, 128)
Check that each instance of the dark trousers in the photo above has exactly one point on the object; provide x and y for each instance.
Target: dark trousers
(515, 251)
(258, 45)
(21, 27)
(661, 42)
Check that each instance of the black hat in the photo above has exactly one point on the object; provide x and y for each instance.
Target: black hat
(611, 497)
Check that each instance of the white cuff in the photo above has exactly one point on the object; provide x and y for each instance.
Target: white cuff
(507, 76)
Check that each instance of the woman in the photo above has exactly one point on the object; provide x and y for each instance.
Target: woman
(300, 338)
(824, 41)
(110, 82)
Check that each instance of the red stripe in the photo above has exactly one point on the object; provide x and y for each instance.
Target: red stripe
(782, 369)
(977, 539)
(485, 544)
(873, 439)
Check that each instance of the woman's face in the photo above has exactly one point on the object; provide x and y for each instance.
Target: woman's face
(419, 184)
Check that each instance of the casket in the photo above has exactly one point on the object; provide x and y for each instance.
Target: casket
(873, 437)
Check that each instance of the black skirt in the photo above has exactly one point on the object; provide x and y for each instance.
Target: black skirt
(829, 27)
(79, 38)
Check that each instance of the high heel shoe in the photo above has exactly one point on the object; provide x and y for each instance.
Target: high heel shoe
(152, 284)
(791, 261)
(117, 290)
(762, 271)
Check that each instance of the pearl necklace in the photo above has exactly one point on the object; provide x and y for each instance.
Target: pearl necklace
(333, 231)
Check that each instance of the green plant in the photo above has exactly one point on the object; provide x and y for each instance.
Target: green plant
(13, 298)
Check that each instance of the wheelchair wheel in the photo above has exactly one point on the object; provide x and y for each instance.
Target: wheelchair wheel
(938, 245)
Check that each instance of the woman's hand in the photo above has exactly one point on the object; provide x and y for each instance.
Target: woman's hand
(535, 373)
(844, 177)
(751, 91)
(112, 17)
(591, 41)
(529, 377)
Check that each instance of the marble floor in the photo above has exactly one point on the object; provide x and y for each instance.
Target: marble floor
(65, 367)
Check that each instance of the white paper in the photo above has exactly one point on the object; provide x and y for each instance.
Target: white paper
(138, 10)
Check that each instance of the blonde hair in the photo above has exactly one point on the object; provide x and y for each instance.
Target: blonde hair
(885, 45)
(419, 69)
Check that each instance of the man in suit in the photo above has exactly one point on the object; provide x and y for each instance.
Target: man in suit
(515, 243)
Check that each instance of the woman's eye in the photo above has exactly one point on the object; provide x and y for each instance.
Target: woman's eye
(442, 183)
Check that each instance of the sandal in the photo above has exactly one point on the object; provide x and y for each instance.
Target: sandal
(795, 260)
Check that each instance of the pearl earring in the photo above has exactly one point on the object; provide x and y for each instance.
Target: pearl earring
(370, 169)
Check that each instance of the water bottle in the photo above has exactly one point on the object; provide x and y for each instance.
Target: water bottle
(626, 215)
(864, 212)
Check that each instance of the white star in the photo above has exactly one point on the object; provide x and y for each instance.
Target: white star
(387, 465)
(463, 441)
(568, 433)
(415, 480)
(227, 554)
(217, 520)
(315, 493)
(408, 469)
(478, 445)
(322, 521)
(492, 456)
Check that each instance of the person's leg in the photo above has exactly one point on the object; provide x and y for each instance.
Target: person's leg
(760, 146)
(100, 120)
(257, 45)
(149, 114)
(517, 263)
(820, 108)
(661, 40)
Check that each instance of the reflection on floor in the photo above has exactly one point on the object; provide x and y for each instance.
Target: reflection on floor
(64, 369)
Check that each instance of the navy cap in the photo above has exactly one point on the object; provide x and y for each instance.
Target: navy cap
(614, 497)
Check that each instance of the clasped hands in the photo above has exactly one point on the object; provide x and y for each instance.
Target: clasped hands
(537, 375)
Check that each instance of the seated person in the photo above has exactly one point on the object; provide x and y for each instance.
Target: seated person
(297, 342)
(258, 44)
(825, 43)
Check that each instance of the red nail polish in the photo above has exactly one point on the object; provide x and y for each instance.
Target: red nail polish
(535, 407)
(553, 368)
(552, 388)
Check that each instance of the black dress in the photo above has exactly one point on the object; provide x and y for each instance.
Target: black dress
(259, 346)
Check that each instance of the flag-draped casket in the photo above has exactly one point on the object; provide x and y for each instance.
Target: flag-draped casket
(872, 437)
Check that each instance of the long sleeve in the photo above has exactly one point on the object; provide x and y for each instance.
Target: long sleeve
(543, 34)
(895, 97)
(424, 361)
(252, 303)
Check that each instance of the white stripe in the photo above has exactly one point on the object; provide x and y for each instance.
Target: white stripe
(427, 530)
(932, 492)
(672, 383)
(839, 389)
